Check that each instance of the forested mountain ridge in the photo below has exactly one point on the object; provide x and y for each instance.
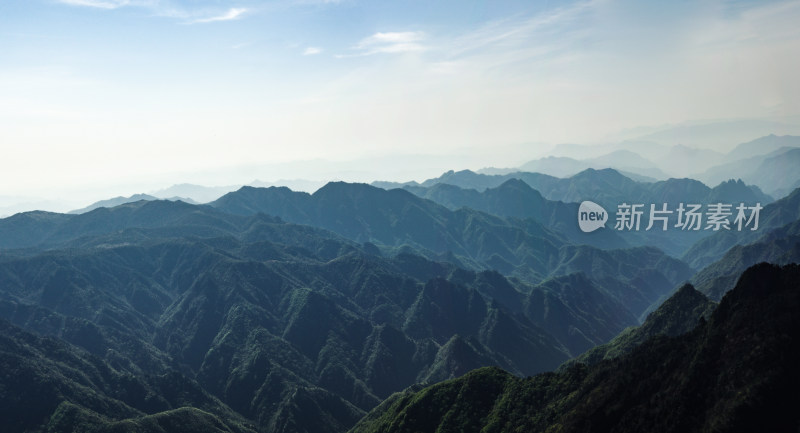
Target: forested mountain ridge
(774, 215)
(53, 386)
(301, 312)
(519, 196)
(291, 327)
(528, 249)
(331, 332)
(779, 246)
(735, 372)
(676, 316)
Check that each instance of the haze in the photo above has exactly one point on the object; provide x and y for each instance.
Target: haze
(115, 97)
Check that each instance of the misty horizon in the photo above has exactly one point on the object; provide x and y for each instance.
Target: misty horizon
(106, 97)
(561, 161)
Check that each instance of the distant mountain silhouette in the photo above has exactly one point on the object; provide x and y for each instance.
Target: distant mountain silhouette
(674, 152)
(774, 172)
(198, 193)
(607, 187)
(762, 146)
(116, 201)
(683, 161)
(515, 198)
(779, 246)
(774, 215)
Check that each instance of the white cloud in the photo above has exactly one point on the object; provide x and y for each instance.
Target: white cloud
(391, 42)
(102, 4)
(310, 51)
(232, 14)
(316, 2)
(603, 65)
(510, 39)
(562, 31)
(163, 9)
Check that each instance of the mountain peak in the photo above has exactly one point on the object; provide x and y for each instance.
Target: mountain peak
(516, 185)
(598, 172)
(345, 186)
(678, 314)
(763, 145)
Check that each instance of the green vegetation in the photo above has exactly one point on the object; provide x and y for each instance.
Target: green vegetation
(736, 372)
(779, 246)
(773, 216)
(290, 327)
(676, 316)
(553, 202)
(164, 316)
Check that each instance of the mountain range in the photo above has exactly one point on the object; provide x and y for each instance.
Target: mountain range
(624, 161)
(774, 215)
(266, 322)
(767, 162)
(116, 201)
(267, 325)
(273, 310)
(732, 372)
(518, 195)
(607, 187)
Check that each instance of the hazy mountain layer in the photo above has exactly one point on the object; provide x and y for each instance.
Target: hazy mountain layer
(712, 248)
(779, 246)
(281, 327)
(768, 162)
(525, 249)
(116, 201)
(515, 198)
(275, 326)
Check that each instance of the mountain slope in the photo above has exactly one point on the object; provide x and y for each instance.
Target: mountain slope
(296, 328)
(605, 186)
(398, 219)
(577, 311)
(774, 215)
(49, 380)
(762, 146)
(506, 195)
(301, 335)
(393, 218)
(676, 316)
(779, 246)
(515, 198)
(768, 162)
(734, 373)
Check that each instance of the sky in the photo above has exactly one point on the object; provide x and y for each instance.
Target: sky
(111, 97)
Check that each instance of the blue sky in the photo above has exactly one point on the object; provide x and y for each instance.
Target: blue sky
(137, 93)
